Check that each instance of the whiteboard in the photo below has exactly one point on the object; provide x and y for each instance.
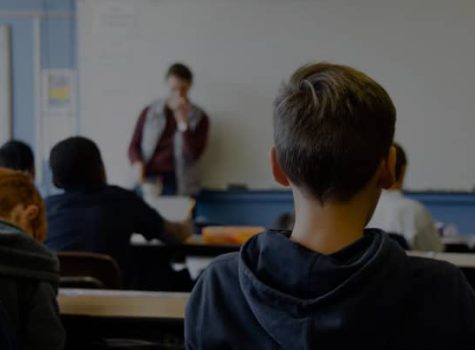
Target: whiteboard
(242, 50)
(5, 85)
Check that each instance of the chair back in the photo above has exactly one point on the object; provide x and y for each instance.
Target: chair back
(88, 270)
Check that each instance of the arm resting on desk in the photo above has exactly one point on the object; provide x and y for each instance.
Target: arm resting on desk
(151, 224)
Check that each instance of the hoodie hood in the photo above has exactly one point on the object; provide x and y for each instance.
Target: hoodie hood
(23, 257)
(298, 295)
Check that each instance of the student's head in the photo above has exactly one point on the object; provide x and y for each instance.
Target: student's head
(179, 80)
(21, 204)
(77, 163)
(333, 131)
(401, 166)
(17, 155)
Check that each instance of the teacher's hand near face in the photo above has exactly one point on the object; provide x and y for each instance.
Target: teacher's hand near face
(181, 109)
(169, 138)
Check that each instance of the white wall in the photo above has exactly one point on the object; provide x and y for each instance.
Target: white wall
(241, 50)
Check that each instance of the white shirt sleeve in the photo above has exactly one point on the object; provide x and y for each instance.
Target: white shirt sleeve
(426, 237)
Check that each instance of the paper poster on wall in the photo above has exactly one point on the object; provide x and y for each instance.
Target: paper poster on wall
(58, 115)
(59, 92)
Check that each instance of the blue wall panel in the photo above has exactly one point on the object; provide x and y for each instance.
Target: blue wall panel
(58, 42)
(58, 50)
(36, 5)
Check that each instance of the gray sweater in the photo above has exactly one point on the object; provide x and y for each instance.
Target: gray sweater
(29, 276)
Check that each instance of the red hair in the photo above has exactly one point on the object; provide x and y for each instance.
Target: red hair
(16, 188)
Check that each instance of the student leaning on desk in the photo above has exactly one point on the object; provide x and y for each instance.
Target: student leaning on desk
(93, 216)
(329, 283)
(29, 273)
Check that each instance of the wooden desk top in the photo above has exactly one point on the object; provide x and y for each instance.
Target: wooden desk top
(138, 240)
(197, 240)
(122, 304)
(466, 260)
(194, 246)
(469, 240)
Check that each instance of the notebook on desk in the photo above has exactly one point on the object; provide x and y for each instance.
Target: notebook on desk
(172, 208)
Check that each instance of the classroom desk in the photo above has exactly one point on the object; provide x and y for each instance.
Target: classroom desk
(461, 260)
(194, 246)
(168, 262)
(90, 316)
(196, 255)
(459, 244)
(123, 304)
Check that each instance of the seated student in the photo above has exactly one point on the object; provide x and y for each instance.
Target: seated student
(18, 155)
(93, 216)
(329, 283)
(29, 273)
(398, 214)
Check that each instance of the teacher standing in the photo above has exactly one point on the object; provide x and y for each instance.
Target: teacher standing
(170, 137)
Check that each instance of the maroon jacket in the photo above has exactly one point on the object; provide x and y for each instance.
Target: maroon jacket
(163, 160)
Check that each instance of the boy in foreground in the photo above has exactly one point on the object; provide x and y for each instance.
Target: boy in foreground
(329, 283)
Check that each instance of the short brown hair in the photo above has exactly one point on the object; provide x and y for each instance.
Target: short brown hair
(181, 71)
(401, 161)
(332, 127)
(17, 188)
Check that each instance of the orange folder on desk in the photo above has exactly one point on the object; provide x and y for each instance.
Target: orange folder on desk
(229, 234)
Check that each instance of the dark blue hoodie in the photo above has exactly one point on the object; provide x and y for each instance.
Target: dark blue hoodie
(7, 338)
(29, 278)
(276, 294)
